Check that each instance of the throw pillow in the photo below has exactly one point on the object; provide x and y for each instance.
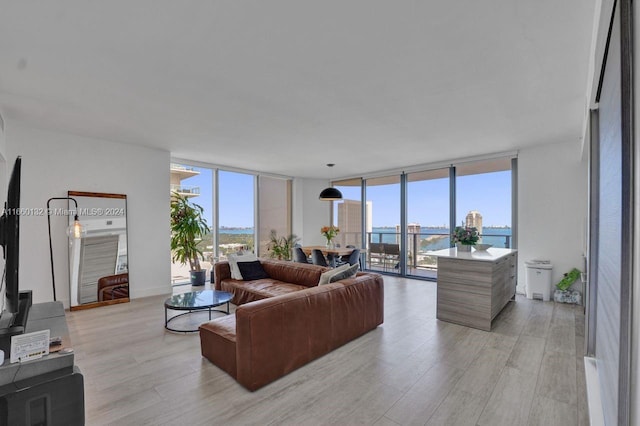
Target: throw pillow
(343, 275)
(252, 270)
(234, 258)
(326, 276)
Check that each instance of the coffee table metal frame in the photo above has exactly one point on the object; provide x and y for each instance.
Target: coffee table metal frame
(192, 309)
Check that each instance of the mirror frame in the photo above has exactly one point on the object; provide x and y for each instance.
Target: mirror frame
(91, 305)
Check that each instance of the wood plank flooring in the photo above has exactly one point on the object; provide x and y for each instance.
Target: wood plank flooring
(412, 370)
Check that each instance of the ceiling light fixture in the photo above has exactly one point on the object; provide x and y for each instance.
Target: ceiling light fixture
(330, 193)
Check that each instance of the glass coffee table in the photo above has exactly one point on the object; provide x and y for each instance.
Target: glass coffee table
(195, 301)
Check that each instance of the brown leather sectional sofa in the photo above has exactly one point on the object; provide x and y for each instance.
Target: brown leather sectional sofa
(282, 325)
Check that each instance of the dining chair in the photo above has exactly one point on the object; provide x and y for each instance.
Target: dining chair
(391, 255)
(354, 258)
(376, 252)
(299, 255)
(317, 258)
(345, 259)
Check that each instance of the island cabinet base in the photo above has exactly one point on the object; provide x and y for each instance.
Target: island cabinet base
(472, 292)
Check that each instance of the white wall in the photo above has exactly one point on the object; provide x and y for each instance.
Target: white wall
(52, 164)
(309, 213)
(552, 195)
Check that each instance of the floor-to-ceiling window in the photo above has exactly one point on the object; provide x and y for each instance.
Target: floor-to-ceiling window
(236, 215)
(195, 183)
(483, 199)
(481, 195)
(228, 199)
(427, 220)
(383, 242)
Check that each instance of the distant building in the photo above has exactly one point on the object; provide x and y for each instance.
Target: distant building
(179, 172)
(474, 220)
(350, 222)
(412, 228)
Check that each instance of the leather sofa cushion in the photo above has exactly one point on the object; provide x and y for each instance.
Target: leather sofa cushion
(293, 272)
(278, 270)
(218, 343)
(250, 291)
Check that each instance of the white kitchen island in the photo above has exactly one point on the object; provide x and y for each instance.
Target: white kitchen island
(473, 287)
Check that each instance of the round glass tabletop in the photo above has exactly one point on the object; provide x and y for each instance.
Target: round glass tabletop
(198, 300)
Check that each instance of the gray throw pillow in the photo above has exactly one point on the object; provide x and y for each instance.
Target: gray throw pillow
(326, 276)
(348, 273)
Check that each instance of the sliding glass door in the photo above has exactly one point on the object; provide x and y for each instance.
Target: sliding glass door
(427, 204)
(196, 184)
(427, 220)
(383, 242)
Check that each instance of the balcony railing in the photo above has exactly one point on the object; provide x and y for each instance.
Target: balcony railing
(185, 189)
(181, 167)
(419, 261)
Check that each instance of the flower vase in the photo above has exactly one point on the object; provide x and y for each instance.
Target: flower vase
(329, 244)
(463, 247)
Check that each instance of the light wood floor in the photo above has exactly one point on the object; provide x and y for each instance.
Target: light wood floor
(412, 370)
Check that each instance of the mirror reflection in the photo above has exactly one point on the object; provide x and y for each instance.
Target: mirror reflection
(98, 263)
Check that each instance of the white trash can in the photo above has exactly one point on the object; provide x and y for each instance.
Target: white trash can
(538, 284)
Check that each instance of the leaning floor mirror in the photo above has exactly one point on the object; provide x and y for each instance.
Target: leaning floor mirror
(98, 263)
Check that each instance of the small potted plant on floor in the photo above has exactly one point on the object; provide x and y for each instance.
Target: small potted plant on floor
(187, 229)
(465, 237)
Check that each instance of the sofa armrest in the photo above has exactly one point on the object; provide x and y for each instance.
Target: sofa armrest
(221, 271)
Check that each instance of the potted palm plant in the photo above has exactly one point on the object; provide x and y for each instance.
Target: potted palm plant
(280, 247)
(187, 229)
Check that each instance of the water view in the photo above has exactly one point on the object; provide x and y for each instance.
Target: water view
(430, 238)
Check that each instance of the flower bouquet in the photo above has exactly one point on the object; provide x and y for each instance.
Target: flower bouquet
(329, 233)
(465, 237)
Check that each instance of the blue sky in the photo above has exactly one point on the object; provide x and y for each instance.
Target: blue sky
(235, 198)
(428, 201)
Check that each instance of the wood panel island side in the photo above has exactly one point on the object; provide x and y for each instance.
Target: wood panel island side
(473, 287)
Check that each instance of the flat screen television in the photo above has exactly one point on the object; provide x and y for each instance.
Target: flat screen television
(13, 318)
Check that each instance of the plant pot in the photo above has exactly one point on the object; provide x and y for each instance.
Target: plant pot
(463, 247)
(198, 277)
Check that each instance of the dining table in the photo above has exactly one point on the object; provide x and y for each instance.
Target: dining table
(329, 253)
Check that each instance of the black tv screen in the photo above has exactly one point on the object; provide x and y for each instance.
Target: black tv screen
(10, 238)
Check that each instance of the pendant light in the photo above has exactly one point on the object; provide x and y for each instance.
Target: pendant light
(330, 193)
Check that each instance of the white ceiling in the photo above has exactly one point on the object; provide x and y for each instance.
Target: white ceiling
(288, 86)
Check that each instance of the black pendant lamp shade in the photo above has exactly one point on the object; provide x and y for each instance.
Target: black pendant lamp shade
(330, 194)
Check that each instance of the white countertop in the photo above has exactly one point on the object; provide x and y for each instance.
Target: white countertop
(489, 255)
